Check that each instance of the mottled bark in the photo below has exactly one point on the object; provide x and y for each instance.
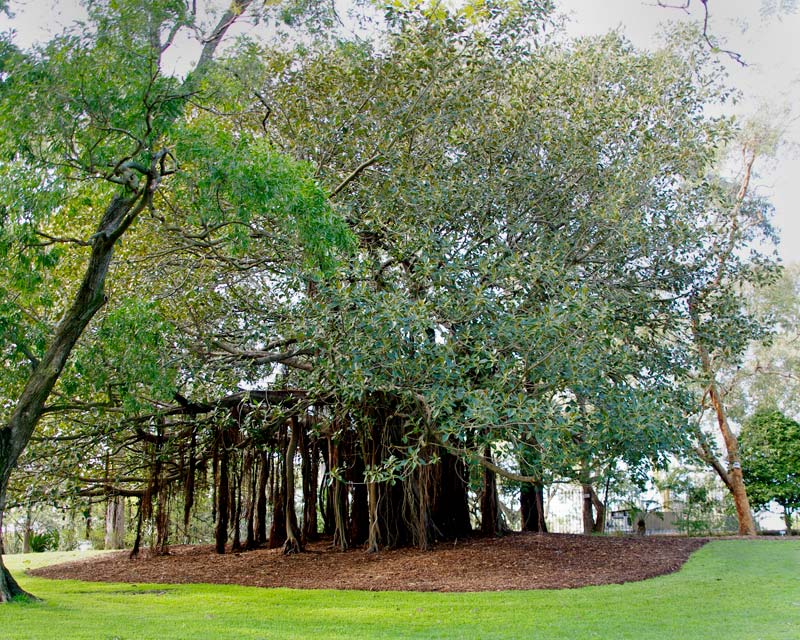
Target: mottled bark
(732, 476)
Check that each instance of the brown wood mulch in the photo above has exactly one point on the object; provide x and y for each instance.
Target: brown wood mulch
(515, 561)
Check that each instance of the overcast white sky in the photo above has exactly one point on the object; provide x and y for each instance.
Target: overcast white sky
(770, 45)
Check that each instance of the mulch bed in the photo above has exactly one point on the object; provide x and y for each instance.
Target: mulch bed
(515, 561)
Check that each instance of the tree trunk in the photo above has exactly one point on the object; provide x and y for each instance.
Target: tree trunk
(490, 513)
(787, 518)
(2, 535)
(310, 471)
(292, 544)
(261, 499)
(450, 502)
(223, 495)
(9, 589)
(28, 530)
(162, 519)
(277, 533)
(586, 509)
(373, 540)
(599, 525)
(236, 505)
(17, 432)
(115, 523)
(137, 542)
(188, 489)
(531, 502)
(732, 477)
(250, 469)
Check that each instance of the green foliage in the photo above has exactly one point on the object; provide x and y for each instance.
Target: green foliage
(237, 181)
(45, 541)
(770, 450)
(126, 355)
(768, 378)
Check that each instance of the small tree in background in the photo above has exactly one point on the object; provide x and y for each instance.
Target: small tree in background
(770, 448)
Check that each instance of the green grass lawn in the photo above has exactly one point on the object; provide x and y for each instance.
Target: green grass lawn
(730, 589)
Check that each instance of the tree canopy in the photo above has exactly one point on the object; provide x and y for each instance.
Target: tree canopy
(452, 249)
(771, 461)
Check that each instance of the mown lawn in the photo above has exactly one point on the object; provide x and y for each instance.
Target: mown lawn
(729, 589)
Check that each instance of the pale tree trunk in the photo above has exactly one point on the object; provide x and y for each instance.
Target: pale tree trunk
(732, 476)
(115, 523)
(28, 530)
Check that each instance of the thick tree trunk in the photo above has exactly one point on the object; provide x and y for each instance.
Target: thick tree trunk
(17, 432)
(531, 502)
(9, 589)
(277, 533)
(599, 525)
(115, 523)
(450, 503)
(2, 535)
(787, 519)
(586, 509)
(310, 473)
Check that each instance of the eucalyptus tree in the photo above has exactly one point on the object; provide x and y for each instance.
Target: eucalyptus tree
(719, 324)
(95, 131)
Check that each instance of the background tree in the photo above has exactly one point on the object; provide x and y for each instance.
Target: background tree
(770, 444)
